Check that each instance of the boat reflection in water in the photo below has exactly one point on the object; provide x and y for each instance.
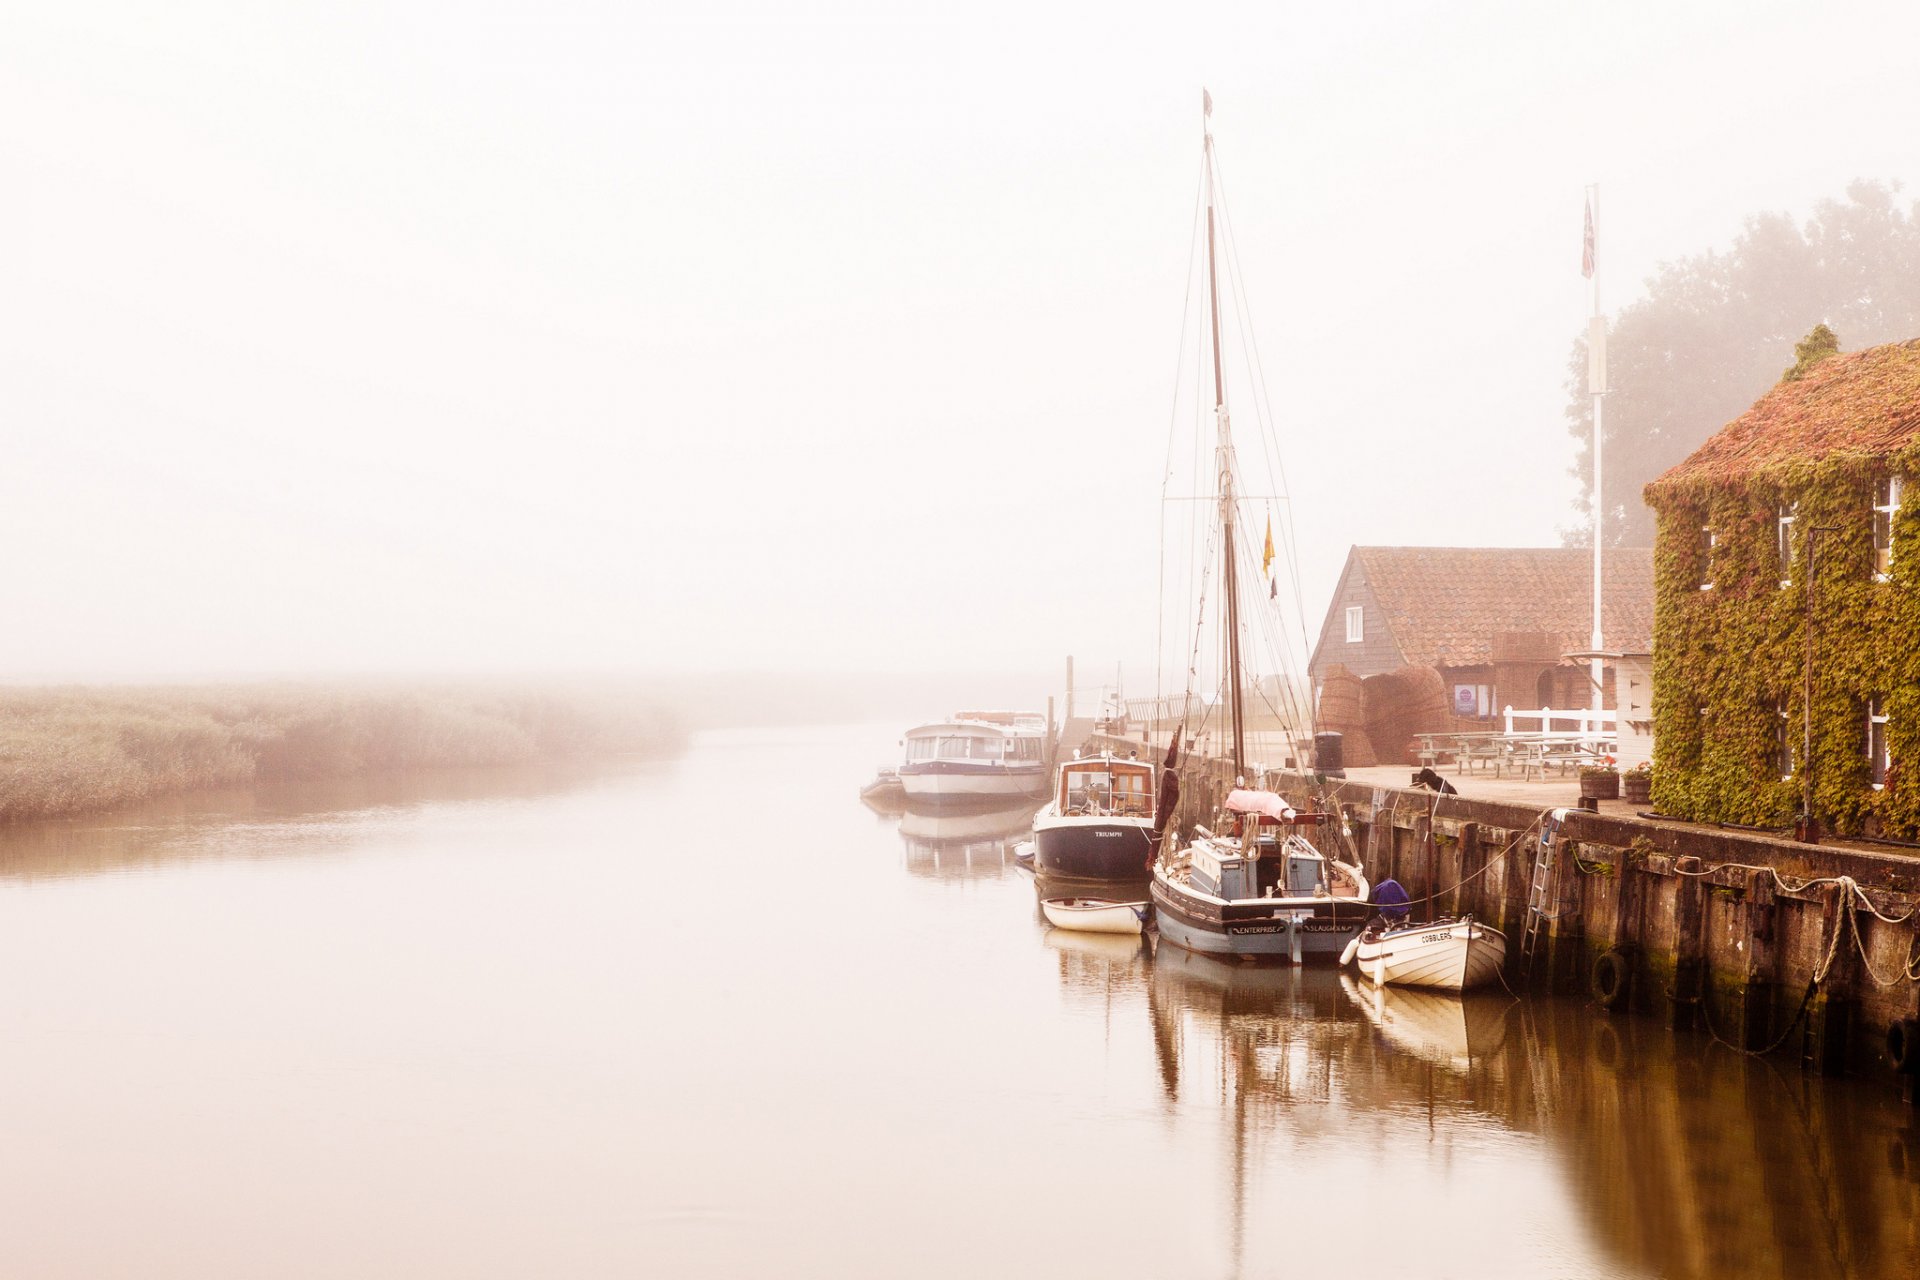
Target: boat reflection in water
(964, 845)
(1622, 1147)
(1446, 1030)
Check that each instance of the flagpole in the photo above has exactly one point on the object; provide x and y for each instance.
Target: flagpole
(1597, 387)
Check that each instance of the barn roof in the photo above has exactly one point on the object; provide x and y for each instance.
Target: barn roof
(1865, 402)
(1459, 598)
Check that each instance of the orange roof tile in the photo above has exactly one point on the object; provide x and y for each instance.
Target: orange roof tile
(1863, 402)
(1459, 597)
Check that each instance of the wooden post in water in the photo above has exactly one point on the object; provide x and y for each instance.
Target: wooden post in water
(1630, 911)
(1756, 979)
(1472, 859)
(1830, 1015)
(1689, 944)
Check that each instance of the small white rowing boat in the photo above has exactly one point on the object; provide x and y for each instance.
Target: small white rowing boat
(1095, 915)
(1452, 955)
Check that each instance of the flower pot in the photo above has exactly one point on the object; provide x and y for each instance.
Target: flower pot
(1638, 788)
(1602, 786)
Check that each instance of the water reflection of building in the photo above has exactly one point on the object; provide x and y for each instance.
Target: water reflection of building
(977, 845)
(1693, 1161)
(1684, 1159)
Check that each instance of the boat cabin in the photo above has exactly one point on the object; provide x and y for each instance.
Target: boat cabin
(977, 742)
(1103, 786)
(1273, 867)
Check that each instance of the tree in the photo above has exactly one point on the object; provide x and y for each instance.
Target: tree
(1713, 331)
(1810, 351)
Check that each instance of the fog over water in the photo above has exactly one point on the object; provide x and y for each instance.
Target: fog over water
(595, 337)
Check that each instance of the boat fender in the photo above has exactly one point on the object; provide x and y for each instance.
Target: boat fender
(1353, 949)
(1608, 979)
(1903, 1045)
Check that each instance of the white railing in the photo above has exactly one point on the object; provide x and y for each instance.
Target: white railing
(1581, 724)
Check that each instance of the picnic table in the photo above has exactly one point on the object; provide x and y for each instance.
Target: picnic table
(1524, 752)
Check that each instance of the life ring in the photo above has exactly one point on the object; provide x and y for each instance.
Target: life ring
(1903, 1045)
(1608, 980)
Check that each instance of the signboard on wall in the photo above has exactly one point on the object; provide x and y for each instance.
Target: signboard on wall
(1465, 701)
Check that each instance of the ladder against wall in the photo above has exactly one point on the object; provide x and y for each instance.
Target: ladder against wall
(1543, 893)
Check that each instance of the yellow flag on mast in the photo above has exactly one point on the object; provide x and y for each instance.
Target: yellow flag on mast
(1266, 558)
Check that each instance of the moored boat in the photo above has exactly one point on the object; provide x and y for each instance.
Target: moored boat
(884, 791)
(1261, 891)
(978, 757)
(1447, 955)
(1099, 825)
(1095, 915)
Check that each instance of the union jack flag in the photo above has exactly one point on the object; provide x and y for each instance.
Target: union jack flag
(1586, 245)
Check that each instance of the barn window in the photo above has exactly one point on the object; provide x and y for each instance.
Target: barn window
(1707, 544)
(1356, 624)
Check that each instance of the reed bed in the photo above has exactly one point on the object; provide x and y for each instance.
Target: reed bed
(76, 750)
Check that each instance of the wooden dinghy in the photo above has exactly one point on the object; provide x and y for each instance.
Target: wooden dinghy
(1095, 915)
(1447, 955)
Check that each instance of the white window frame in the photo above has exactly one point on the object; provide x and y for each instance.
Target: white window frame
(1786, 743)
(1890, 509)
(1881, 761)
(1356, 623)
(1783, 541)
(1706, 569)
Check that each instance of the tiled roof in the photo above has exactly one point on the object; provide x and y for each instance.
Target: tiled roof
(1865, 402)
(1460, 597)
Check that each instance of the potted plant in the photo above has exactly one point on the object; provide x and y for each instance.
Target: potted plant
(1637, 783)
(1600, 781)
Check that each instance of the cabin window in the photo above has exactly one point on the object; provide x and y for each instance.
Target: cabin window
(1356, 624)
(1096, 791)
(1782, 741)
(970, 749)
(1877, 741)
(1886, 504)
(1783, 540)
(1707, 543)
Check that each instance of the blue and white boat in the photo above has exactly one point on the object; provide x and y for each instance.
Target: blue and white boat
(977, 757)
(1262, 890)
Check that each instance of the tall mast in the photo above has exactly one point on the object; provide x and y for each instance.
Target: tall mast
(1597, 387)
(1223, 462)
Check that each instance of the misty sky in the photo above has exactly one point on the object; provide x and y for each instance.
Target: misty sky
(596, 337)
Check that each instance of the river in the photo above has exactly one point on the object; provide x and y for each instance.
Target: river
(713, 1017)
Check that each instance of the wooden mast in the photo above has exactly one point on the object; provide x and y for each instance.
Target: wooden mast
(1223, 461)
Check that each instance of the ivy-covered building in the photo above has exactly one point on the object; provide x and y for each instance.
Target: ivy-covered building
(1815, 489)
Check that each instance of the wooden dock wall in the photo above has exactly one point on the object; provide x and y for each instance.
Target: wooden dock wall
(1708, 934)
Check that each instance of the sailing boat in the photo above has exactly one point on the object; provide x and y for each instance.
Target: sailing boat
(1261, 887)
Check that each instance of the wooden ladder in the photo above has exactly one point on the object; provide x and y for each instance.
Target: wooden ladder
(1543, 895)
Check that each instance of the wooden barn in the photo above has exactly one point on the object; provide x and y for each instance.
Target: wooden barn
(1438, 639)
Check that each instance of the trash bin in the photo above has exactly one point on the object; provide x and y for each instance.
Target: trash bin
(1327, 755)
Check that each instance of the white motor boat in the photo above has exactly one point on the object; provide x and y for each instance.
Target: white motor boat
(977, 757)
(1095, 915)
(1450, 955)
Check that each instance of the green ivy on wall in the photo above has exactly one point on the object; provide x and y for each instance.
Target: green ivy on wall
(1726, 659)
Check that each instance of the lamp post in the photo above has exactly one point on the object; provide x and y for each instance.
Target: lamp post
(1806, 828)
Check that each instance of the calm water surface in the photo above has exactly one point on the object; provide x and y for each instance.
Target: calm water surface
(715, 1018)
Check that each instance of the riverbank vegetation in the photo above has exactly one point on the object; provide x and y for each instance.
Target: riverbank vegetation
(76, 750)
